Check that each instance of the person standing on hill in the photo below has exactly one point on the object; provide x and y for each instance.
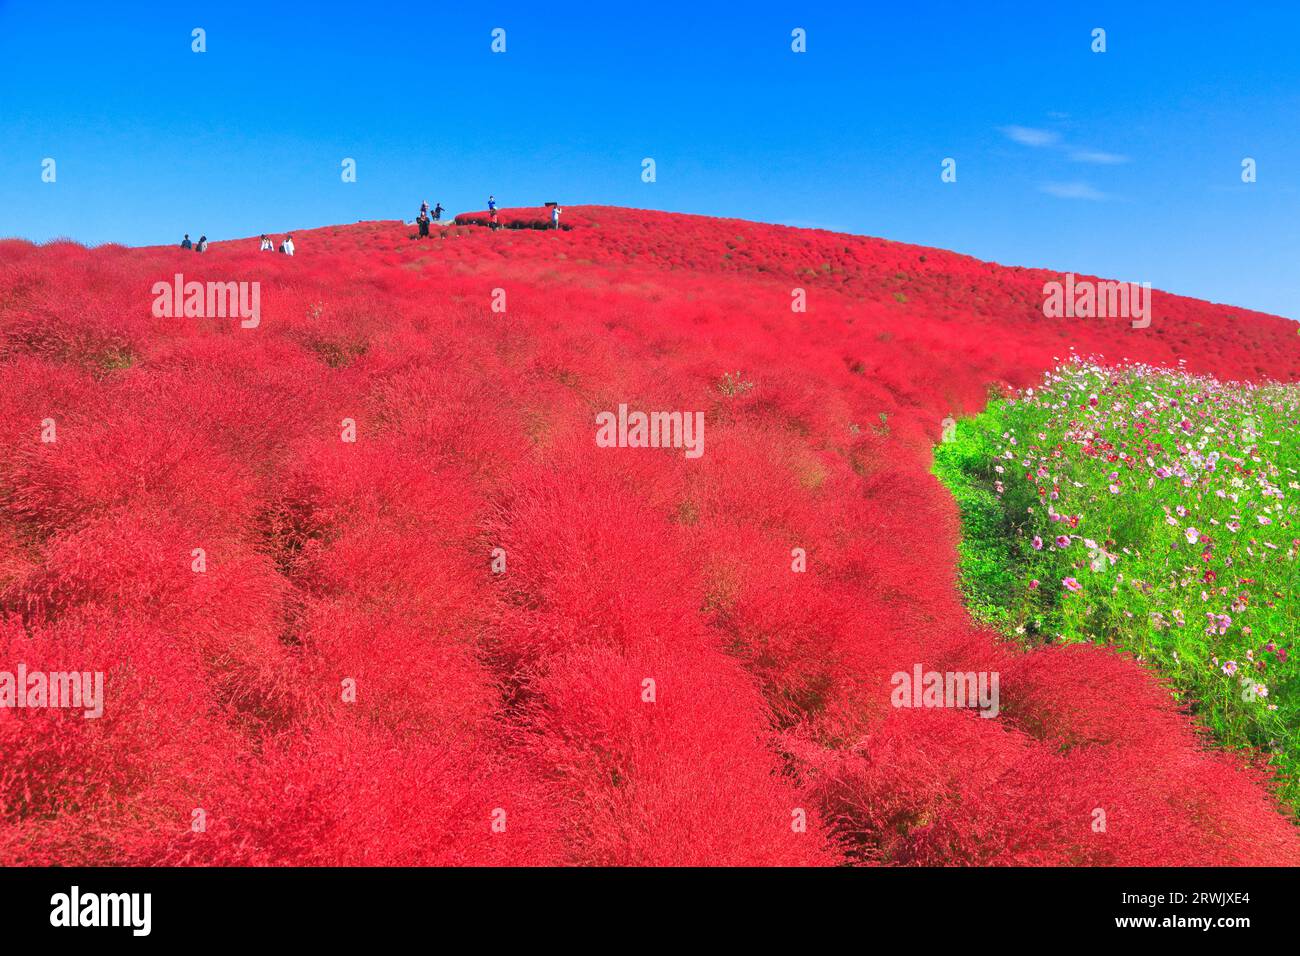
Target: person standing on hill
(555, 215)
(492, 211)
(437, 212)
(422, 220)
(424, 208)
(267, 244)
(185, 243)
(287, 246)
(203, 244)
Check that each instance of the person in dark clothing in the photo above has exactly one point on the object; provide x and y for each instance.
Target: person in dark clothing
(422, 220)
(437, 212)
(185, 243)
(202, 245)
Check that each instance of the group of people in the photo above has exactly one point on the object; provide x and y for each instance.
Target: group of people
(492, 213)
(269, 246)
(423, 219)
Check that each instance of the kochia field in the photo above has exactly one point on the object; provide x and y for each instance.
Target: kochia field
(364, 588)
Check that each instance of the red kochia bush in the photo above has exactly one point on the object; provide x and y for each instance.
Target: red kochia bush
(471, 636)
(624, 695)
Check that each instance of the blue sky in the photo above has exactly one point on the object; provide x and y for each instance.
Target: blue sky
(1125, 164)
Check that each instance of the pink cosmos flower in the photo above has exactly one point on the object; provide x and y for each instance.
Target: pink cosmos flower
(1037, 543)
(1071, 584)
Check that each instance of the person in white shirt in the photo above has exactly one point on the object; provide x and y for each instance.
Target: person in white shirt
(555, 215)
(287, 246)
(267, 244)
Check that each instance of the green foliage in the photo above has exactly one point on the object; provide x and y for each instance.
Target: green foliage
(1155, 512)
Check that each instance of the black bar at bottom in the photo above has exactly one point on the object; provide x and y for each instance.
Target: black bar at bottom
(211, 905)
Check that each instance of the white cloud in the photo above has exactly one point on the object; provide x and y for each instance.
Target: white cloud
(1097, 156)
(1027, 136)
(1074, 190)
(1050, 139)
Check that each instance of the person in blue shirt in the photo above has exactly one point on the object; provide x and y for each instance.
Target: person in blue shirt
(185, 243)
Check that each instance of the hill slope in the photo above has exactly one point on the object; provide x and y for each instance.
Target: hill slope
(472, 635)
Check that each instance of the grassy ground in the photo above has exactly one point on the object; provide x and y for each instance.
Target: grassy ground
(1153, 511)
